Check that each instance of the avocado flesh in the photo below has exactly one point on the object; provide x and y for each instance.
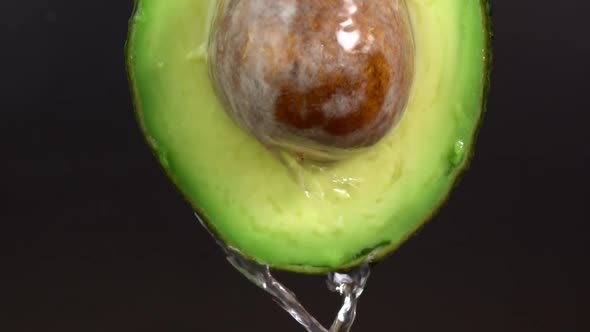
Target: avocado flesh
(371, 202)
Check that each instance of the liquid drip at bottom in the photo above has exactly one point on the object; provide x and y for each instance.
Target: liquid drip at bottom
(349, 285)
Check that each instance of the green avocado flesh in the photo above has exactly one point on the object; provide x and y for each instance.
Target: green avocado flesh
(369, 203)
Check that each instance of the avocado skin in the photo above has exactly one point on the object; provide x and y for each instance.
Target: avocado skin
(372, 256)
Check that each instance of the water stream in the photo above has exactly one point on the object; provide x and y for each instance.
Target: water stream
(349, 285)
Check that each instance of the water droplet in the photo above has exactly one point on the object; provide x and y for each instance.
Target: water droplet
(153, 143)
(164, 160)
(160, 152)
(139, 16)
(458, 153)
(342, 193)
(199, 53)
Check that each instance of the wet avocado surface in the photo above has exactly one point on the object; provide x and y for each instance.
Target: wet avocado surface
(366, 204)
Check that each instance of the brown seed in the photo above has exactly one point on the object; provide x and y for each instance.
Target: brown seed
(313, 75)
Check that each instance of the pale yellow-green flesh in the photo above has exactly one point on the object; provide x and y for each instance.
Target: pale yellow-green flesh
(250, 198)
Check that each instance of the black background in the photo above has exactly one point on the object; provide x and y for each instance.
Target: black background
(95, 238)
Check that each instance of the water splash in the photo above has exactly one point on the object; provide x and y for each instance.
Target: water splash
(349, 285)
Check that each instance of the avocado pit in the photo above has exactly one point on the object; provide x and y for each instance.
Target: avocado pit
(316, 77)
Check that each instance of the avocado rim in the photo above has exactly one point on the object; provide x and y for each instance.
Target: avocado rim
(371, 255)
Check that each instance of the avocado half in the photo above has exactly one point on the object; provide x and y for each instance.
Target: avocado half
(371, 202)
